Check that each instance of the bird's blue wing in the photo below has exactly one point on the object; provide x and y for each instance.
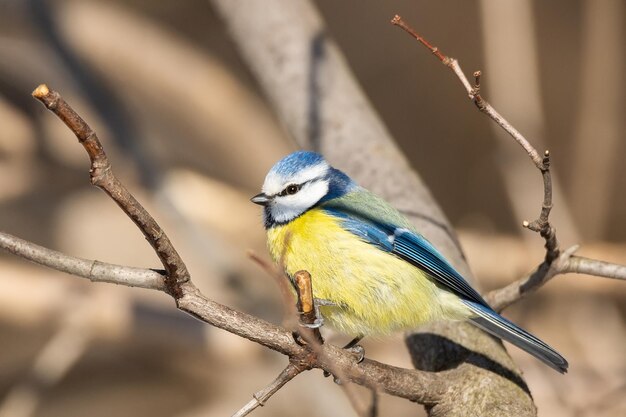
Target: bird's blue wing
(377, 223)
(402, 242)
(418, 251)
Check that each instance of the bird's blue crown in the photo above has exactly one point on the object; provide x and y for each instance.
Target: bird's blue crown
(300, 161)
(296, 162)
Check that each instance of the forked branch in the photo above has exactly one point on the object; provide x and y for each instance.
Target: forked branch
(419, 386)
(102, 176)
(555, 261)
(309, 322)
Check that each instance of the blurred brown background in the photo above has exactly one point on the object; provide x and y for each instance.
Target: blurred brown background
(190, 133)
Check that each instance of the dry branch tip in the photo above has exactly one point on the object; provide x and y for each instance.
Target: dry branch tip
(397, 21)
(309, 318)
(42, 90)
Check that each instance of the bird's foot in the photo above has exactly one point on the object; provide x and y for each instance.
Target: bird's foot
(323, 302)
(357, 351)
(297, 337)
(335, 379)
(319, 321)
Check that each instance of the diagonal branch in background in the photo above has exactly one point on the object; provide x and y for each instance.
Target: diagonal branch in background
(277, 40)
(420, 386)
(555, 261)
(286, 289)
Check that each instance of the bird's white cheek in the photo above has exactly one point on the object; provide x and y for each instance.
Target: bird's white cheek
(311, 193)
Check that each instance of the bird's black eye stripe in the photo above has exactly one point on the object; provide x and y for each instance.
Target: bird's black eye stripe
(290, 189)
(294, 188)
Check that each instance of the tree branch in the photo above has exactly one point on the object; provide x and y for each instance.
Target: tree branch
(95, 271)
(473, 92)
(309, 322)
(409, 384)
(260, 397)
(419, 386)
(582, 265)
(102, 177)
(555, 262)
(565, 263)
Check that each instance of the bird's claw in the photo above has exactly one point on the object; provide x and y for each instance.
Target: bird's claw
(357, 351)
(319, 322)
(323, 302)
(298, 338)
(335, 379)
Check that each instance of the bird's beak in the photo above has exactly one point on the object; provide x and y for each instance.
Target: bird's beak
(261, 199)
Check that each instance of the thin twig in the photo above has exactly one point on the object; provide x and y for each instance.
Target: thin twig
(309, 331)
(286, 290)
(102, 176)
(397, 20)
(542, 224)
(565, 263)
(473, 92)
(309, 320)
(582, 265)
(260, 397)
(95, 271)
(555, 261)
(310, 323)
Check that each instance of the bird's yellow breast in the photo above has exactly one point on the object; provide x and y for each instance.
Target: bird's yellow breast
(373, 290)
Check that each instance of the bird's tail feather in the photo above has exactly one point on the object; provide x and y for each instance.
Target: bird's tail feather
(493, 323)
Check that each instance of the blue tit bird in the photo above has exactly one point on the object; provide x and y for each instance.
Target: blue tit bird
(374, 272)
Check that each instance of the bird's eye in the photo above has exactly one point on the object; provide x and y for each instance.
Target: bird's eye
(291, 189)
